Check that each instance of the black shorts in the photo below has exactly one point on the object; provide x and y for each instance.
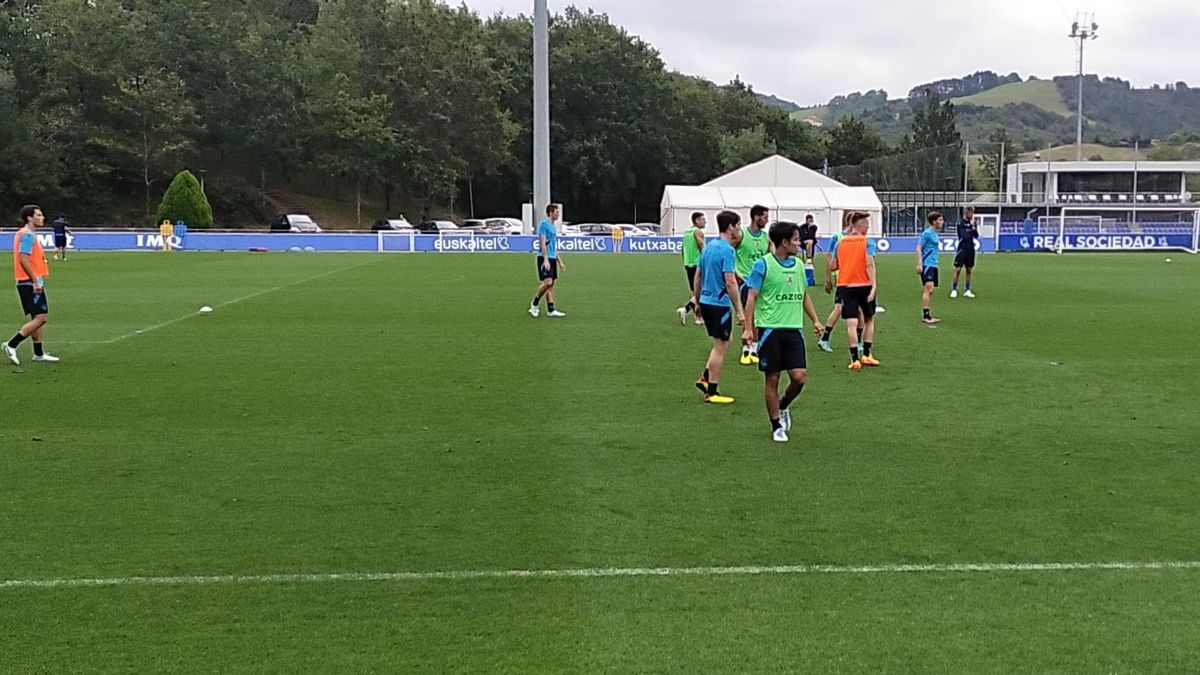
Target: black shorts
(837, 295)
(964, 258)
(718, 321)
(781, 349)
(691, 276)
(60, 242)
(543, 273)
(930, 276)
(31, 304)
(854, 300)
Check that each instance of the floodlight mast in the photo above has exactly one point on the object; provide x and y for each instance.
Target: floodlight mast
(541, 109)
(1084, 29)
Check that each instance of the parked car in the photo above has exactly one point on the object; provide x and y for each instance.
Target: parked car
(506, 226)
(393, 224)
(569, 229)
(634, 230)
(653, 228)
(473, 224)
(436, 226)
(294, 222)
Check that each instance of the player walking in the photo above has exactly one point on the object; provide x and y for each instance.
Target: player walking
(831, 286)
(855, 262)
(927, 264)
(754, 245)
(30, 271)
(776, 304)
(62, 228)
(693, 245)
(716, 293)
(548, 264)
(968, 235)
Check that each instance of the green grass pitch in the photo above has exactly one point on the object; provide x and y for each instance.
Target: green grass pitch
(371, 413)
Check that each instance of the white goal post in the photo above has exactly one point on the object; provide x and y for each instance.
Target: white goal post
(1185, 238)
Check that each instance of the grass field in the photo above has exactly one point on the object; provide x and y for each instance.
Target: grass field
(387, 414)
(1041, 93)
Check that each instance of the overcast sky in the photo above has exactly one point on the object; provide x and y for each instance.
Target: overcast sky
(808, 51)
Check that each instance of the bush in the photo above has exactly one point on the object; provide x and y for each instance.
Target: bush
(235, 203)
(185, 201)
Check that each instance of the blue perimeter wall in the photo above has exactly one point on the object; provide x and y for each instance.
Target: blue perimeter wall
(465, 243)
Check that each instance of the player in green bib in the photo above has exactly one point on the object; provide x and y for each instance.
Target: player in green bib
(754, 245)
(693, 245)
(776, 305)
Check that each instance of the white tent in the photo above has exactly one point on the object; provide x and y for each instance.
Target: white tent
(788, 189)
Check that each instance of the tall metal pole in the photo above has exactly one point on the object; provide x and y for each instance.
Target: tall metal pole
(1083, 29)
(541, 109)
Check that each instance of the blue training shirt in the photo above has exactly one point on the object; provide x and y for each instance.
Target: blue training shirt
(546, 229)
(26, 244)
(759, 272)
(716, 260)
(929, 248)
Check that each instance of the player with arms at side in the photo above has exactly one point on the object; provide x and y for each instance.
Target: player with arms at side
(927, 264)
(968, 235)
(715, 292)
(30, 271)
(776, 304)
(693, 246)
(754, 245)
(855, 263)
(62, 228)
(548, 264)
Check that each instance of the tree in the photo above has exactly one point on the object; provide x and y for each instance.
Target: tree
(740, 148)
(851, 141)
(999, 151)
(934, 123)
(184, 200)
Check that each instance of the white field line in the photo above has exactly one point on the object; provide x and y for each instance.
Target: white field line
(251, 296)
(594, 573)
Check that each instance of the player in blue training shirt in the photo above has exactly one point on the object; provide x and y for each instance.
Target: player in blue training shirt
(927, 263)
(715, 293)
(548, 264)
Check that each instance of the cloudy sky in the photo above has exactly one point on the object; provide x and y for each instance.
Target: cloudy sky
(808, 51)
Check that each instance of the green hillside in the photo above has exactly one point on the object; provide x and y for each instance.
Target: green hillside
(1041, 93)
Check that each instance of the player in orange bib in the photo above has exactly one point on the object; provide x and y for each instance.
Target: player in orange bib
(855, 265)
(30, 271)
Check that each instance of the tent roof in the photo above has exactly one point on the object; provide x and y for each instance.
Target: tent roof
(792, 199)
(774, 171)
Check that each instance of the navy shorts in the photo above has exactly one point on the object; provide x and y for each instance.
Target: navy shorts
(965, 258)
(854, 300)
(691, 276)
(718, 321)
(930, 276)
(781, 349)
(543, 273)
(33, 304)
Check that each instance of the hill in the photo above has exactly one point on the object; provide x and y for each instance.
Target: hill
(1040, 93)
(1036, 113)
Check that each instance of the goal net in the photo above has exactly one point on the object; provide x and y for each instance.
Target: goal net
(1172, 228)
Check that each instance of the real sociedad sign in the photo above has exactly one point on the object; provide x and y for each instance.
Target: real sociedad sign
(1094, 242)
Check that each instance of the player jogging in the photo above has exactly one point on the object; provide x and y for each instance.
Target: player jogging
(968, 235)
(776, 304)
(855, 263)
(927, 264)
(754, 245)
(693, 245)
(30, 271)
(831, 286)
(716, 293)
(808, 245)
(548, 264)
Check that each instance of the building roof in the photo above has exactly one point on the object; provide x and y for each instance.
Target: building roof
(1107, 167)
(774, 171)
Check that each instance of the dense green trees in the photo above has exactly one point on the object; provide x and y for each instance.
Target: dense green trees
(102, 102)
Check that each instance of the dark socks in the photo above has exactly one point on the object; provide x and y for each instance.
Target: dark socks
(866, 349)
(789, 396)
(827, 335)
(925, 313)
(536, 301)
(549, 306)
(712, 388)
(37, 349)
(690, 307)
(16, 340)
(775, 424)
(854, 353)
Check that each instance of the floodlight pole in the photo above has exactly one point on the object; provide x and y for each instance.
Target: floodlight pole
(541, 109)
(1082, 30)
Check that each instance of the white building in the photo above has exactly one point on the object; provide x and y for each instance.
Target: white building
(1100, 183)
(791, 191)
